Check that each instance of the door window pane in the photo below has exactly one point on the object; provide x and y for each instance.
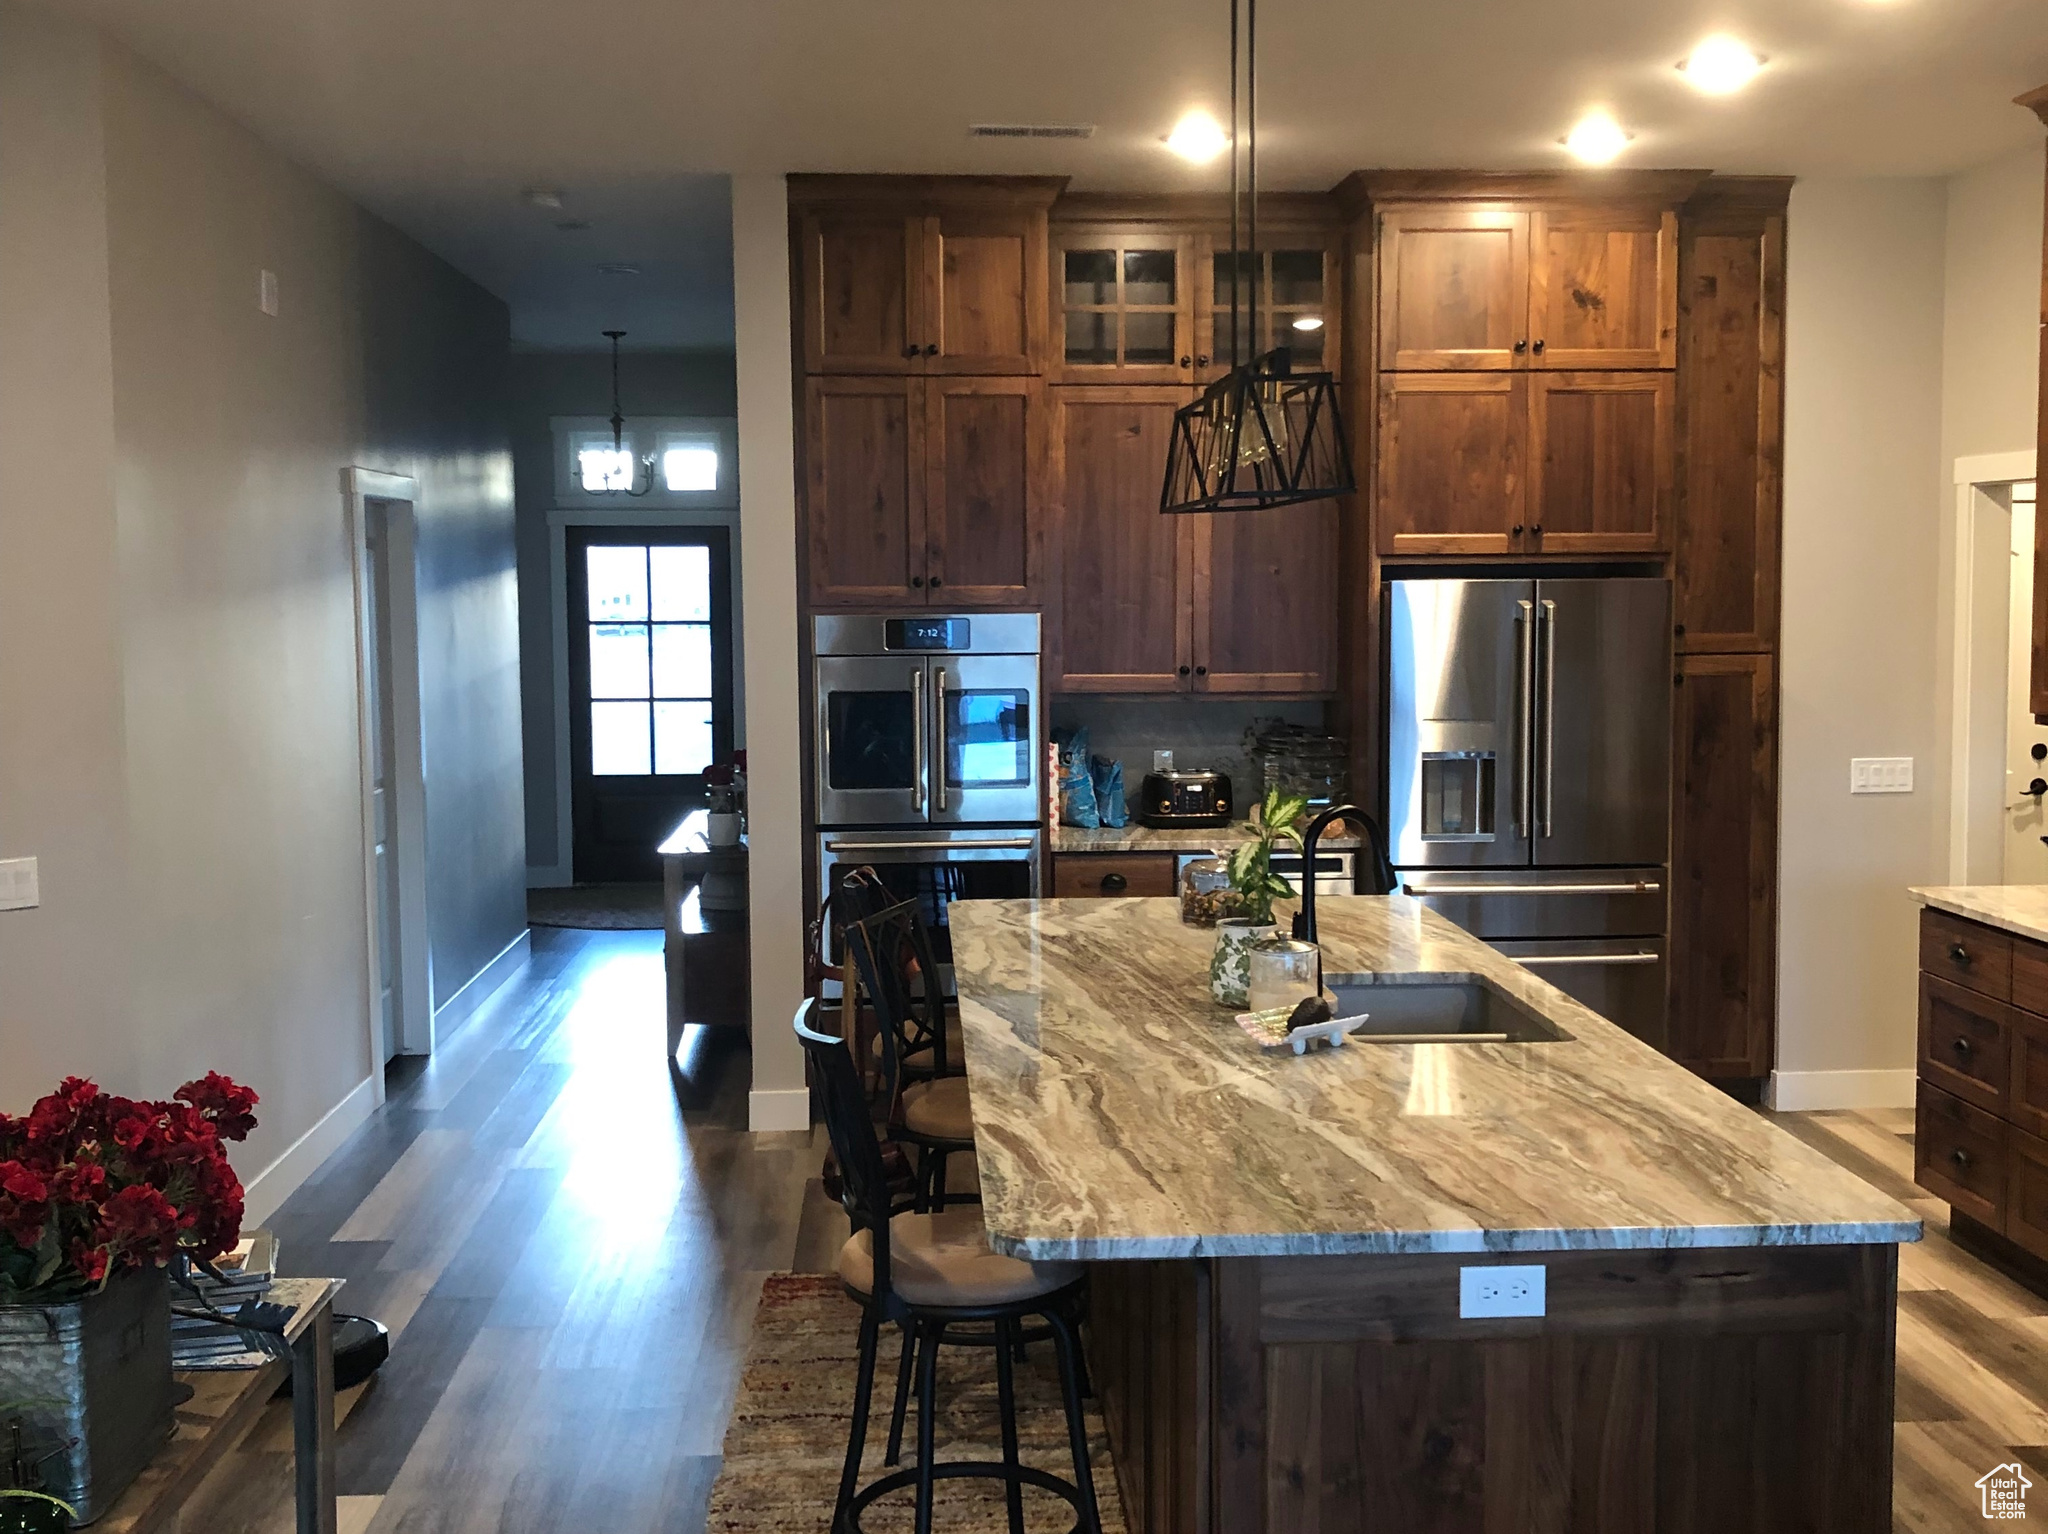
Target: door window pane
(618, 584)
(1091, 276)
(988, 739)
(618, 660)
(690, 468)
(619, 743)
(681, 583)
(682, 737)
(871, 744)
(682, 661)
(1091, 337)
(1148, 338)
(1297, 277)
(1148, 276)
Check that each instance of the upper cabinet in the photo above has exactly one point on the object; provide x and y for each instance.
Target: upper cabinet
(1465, 287)
(1292, 304)
(903, 275)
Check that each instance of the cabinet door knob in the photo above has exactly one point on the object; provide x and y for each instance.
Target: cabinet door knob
(1113, 884)
(1539, 348)
(1959, 954)
(1201, 361)
(1961, 1158)
(1520, 347)
(1536, 529)
(1183, 671)
(937, 582)
(1187, 362)
(1963, 1048)
(932, 350)
(1201, 671)
(910, 351)
(917, 580)
(1516, 530)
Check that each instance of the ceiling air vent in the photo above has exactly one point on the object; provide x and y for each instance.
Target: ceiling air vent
(1031, 130)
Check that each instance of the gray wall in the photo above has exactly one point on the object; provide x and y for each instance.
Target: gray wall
(544, 385)
(178, 725)
(1200, 732)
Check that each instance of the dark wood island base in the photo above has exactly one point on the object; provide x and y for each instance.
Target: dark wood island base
(1686, 1391)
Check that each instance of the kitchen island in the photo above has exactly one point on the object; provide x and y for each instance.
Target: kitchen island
(1277, 1329)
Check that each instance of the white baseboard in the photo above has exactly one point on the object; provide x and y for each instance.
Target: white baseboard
(266, 1192)
(549, 876)
(483, 985)
(1806, 1091)
(788, 1108)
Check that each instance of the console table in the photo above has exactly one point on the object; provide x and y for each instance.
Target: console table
(705, 944)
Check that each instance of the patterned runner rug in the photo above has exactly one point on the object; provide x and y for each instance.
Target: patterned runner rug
(788, 1433)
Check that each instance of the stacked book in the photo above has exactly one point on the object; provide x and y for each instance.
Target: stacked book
(200, 1342)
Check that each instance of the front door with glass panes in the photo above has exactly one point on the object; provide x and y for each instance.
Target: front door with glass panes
(650, 683)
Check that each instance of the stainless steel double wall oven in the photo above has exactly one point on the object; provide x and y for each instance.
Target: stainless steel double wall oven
(929, 753)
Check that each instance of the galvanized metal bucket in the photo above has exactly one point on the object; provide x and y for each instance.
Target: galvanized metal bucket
(95, 1375)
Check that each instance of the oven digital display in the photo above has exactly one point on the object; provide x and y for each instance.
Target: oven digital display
(925, 634)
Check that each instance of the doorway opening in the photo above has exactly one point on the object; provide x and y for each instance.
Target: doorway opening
(1999, 798)
(650, 688)
(382, 539)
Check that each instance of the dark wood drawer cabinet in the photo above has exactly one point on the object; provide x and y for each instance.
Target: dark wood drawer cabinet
(2027, 1096)
(1965, 1043)
(1959, 1153)
(1967, 953)
(1083, 875)
(2026, 1191)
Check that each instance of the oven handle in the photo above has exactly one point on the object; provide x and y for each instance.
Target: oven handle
(918, 766)
(987, 844)
(1445, 891)
(939, 736)
(1539, 961)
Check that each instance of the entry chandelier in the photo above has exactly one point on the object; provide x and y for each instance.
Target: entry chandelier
(1262, 435)
(624, 467)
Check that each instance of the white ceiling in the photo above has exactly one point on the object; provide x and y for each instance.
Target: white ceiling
(437, 112)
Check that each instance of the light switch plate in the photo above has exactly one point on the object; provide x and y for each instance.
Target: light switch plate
(1881, 775)
(18, 884)
(1500, 1290)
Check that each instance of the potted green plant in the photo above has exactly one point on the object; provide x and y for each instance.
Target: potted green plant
(97, 1194)
(1277, 821)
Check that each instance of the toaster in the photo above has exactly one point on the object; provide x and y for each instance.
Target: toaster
(1198, 798)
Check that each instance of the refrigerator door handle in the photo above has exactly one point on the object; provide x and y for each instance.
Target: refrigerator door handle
(1525, 718)
(1540, 961)
(1633, 887)
(1546, 632)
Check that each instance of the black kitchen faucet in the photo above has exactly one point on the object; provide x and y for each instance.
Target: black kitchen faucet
(1379, 870)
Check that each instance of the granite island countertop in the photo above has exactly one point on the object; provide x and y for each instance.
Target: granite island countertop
(1137, 838)
(1119, 1113)
(2021, 909)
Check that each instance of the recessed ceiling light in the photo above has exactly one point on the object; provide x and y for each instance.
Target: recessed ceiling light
(1597, 139)
(1308, 322)
(1721, 64)
(542, 197)
(1198, 137)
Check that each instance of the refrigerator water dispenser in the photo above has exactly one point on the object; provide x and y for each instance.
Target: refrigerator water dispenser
(1457, 796)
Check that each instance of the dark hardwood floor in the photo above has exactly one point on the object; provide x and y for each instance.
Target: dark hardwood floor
(567, 1245)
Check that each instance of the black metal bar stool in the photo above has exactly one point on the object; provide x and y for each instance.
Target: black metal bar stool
(931, 1042)
(891, 950)
(934, 1275)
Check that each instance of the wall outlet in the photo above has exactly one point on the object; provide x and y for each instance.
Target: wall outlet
(266, 292)
(1500, 1291)
(18, 884)
(1881, 775)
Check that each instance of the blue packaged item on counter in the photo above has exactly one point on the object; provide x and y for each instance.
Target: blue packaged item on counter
(1108, 776)
(1077, 788)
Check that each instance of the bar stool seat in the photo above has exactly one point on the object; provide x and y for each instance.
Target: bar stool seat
(944, 1259)
(939, 1109)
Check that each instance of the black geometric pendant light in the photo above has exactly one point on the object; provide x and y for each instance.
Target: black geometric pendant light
(1262, 435)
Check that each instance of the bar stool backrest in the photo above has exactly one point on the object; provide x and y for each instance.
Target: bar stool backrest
(864, 1179)
(887, 948)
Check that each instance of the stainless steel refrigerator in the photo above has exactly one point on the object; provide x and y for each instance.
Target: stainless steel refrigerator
(1529, 774)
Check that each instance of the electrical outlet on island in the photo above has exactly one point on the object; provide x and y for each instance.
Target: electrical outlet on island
(1505, 1290)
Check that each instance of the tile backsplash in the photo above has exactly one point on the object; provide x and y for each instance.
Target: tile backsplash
(1201, 732)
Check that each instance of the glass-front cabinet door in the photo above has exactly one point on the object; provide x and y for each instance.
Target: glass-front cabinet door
(1297, 302)
(1126, 312)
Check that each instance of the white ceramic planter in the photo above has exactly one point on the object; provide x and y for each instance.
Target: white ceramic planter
(1230, 966)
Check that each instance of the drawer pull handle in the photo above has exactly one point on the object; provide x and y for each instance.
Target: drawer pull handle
(1114, 884)
(1960, 954)
(1961, 1158)
(1963, 1047)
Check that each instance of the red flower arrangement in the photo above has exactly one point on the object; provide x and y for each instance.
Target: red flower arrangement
(92, 1185)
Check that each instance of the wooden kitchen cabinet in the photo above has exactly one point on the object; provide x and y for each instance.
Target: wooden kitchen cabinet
(1099, 875)
(1126, 573)
(1451, 475)
(1603, 287)
(1453, 288)
(1298, 273)
(922, 275)
(1723, 964)
(924, 491)
(1600, 458)
(1236, 602)
(1124, 305)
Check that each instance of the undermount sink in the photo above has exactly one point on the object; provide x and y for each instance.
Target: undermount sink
(1426, 1010)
